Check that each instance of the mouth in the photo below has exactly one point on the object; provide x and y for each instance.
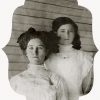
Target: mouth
(66, 39)
(34, 57)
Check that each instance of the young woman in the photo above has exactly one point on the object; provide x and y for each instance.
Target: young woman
(72, 64)
(37, 82)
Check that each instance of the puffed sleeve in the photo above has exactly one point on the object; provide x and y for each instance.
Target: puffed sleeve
(87, 73)
(87, 63)
(87, 82)
(62, 93)
(13, 82)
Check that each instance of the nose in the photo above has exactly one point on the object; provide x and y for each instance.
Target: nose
(67, 35)
(35, 51)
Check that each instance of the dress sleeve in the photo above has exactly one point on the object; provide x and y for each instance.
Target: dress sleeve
(87, 83)
(87, 73)
(87, 64)
(13, 82)
(62, 93)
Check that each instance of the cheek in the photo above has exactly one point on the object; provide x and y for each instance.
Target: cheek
(42, 53)
(61, 35)
(72, 36)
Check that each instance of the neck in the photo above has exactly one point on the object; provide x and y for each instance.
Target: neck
(65, 48)
(37, 66)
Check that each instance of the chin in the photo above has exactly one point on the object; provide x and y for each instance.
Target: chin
(65, 42)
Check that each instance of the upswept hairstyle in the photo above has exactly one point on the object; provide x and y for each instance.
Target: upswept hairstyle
(49, 40)
(65, 20)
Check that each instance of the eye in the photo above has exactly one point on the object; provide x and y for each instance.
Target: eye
(31, 48)
(71, 30)
(62, 31)
(40, 47)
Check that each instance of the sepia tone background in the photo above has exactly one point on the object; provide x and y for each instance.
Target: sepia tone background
(40, 14)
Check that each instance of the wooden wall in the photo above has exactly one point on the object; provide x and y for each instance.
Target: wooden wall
(40, 14)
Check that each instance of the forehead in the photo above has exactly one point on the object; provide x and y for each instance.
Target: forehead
(66, 26)
(35, 42)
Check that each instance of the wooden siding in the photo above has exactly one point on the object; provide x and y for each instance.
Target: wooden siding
(40, 14)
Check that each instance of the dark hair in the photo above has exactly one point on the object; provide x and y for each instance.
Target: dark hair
(65, 20)
(49, 40)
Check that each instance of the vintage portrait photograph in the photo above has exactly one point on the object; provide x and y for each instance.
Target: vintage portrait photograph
(51, 50)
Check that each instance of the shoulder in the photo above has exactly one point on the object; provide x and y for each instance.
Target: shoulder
(15, 80)
(52, 61)
(85, 55)
(87, 62)
(55, 79)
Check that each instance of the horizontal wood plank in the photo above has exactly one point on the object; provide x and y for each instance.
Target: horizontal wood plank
(60, 2)
(13, 73)
(41, 24)
(32, 20)
(63, 3)
(56, 9)
(17, 66)
(13, 50)
(24, 27)
(53, 1)
(49, 15)
(87, 41)
(86, 34)
(17, 59)
(88, 48)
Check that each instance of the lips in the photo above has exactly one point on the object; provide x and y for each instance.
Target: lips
(35, 57)
(66, 39)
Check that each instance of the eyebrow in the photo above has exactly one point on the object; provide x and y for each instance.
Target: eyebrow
(62, 29)
(38, 45)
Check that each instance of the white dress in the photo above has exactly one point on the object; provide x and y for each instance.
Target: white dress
(37, 83)
(72, 65)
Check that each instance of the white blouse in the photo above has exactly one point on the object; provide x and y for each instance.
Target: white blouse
(38, 83)
(72, 65)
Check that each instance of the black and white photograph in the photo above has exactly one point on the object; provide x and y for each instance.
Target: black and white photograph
(51, 50)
